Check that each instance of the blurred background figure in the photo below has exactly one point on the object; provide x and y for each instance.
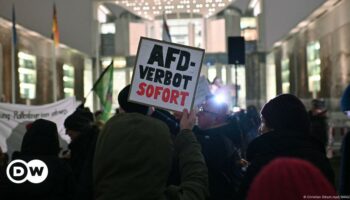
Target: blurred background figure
(41, 142)
(221, 142)
(249, 122)
(216, 85)
(222, 92)
(254, 122)
(319, 121)
(3, 164)
(83, 132)
(4, 158)
(290, 179)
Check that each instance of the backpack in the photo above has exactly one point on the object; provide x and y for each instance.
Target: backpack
(222, 158)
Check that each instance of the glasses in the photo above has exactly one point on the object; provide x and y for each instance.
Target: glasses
(202, 110)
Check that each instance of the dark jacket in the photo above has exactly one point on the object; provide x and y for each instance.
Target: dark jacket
(221, 147)
(319, 127)
(275, 144)
(59, 184)
(41, 142)
(344, 186)
(82, 153)
(133, 159)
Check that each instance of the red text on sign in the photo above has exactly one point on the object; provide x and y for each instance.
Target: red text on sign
(165, 94)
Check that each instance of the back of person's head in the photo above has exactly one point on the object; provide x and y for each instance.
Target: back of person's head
(41, 139)
(127, 106)
(290, 179)
(80, 121)
(345, 100)
(133, 153)
(286, 112)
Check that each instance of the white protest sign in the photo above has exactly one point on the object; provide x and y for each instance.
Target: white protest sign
(14, 115)
(165, 74)
(202, 91)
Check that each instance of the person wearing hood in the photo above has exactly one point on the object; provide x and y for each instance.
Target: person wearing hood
(133, 158)
(285, 129)
(41, 142)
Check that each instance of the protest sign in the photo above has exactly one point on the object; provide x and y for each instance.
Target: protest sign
(165, 74)
(203, 90)
(12, 116)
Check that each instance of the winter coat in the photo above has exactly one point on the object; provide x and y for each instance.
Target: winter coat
(133, 159)
(221, 147)
(344, 186)
(82, 152)
(276, 144)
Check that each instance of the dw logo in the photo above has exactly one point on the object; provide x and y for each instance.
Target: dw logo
(35, 171)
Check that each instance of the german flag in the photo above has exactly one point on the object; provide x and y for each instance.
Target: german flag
(55, 33)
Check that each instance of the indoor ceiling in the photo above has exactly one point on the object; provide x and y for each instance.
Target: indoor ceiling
(149, 9)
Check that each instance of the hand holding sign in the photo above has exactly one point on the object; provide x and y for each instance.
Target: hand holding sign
(188, 120)
(165, 74)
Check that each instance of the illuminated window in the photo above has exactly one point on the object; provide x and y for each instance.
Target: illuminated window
(178, 29)
(108, 28)
(285, 75)
(248, 22)
(270, 76)
(68, 80)
(27, 75)
(223, 74)
(314, 68)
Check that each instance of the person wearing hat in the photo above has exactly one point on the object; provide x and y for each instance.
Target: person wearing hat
(285, 129)
(344, 186)
(83, 133)
(290, 179)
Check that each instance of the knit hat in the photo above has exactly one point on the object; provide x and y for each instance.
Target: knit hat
(41, 139)
(127, 106)
(78, 121)
(345, 100)
(286, 112)
(290, 179)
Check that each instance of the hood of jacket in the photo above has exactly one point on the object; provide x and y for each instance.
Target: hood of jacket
(132, 158)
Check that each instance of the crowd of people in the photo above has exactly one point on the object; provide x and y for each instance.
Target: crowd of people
(202, 154)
